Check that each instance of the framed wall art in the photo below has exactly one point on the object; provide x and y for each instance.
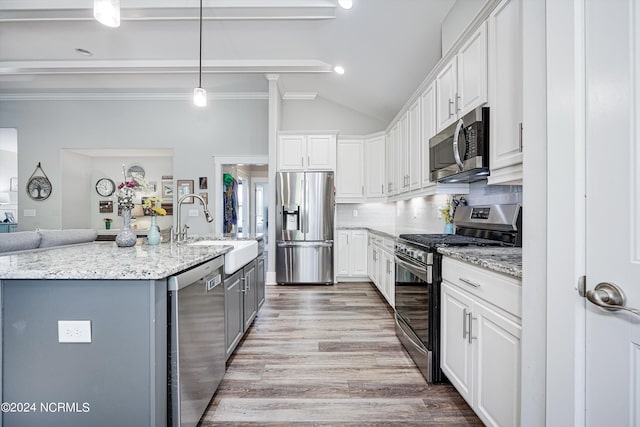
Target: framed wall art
(167, 189)
(185, 186)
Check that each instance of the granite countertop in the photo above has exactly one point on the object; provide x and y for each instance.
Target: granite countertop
(502, 260)
(229, 236)
(105, 260)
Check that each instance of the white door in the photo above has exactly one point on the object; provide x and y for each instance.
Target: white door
(612, 59)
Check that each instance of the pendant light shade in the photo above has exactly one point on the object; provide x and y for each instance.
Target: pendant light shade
(200, 97)
(199, 94)
(107, 12)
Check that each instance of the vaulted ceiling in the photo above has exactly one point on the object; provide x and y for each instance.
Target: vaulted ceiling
(387, 48)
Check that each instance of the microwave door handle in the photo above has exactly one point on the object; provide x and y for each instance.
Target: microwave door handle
(456, 152)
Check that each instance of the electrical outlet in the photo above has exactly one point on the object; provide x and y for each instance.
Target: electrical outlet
(193, 212)
(355, 212)
(74, 331)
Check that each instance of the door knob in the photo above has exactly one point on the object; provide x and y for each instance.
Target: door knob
(610, 297)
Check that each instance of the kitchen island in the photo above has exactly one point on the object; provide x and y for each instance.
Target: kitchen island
(120, 376)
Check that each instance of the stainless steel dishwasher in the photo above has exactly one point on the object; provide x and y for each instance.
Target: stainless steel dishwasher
(196, 341)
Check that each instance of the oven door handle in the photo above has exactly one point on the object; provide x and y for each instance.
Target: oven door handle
(417, 346)
(456, 152)
(417, 271)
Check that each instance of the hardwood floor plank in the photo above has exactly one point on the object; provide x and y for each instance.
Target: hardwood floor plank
(329, 356)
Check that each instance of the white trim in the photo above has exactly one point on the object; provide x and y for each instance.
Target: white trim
(299, 96)
(140, 96)
(155, 66)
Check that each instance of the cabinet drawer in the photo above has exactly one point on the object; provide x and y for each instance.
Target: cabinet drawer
(389, 244)
(502, 291)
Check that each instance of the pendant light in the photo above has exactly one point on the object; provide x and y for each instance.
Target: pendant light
(107, 12)
(346, 4)
(199, 94)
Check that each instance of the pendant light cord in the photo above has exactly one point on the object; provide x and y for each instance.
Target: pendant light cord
(200, 66)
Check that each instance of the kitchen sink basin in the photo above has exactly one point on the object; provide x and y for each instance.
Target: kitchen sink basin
(244, 251)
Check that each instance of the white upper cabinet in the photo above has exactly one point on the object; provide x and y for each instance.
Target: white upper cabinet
(415, 134)
(350, 170)
(461, 85)
(472, 72)
(505, 92)
(392, 153)
(446, 87)
(374, 167)
(428, 131)
(402, 158)
(306, 152)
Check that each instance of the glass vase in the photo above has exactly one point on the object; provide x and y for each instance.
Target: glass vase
(153, 236)
(448, 228)
(126, 238)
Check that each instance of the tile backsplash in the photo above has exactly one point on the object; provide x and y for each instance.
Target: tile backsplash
(421, 214)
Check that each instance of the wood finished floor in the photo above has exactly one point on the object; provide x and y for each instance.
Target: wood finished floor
(328, 356)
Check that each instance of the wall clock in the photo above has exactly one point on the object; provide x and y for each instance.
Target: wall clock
(105, 187)
(38, 186)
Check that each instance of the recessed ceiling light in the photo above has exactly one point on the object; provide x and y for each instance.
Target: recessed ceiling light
(84, 52)
(107, 12)
(338, 69)
(345, 4)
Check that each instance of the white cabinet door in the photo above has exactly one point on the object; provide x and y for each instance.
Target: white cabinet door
(374, 166)
(321, 152)
(446, 83)
(505, 87)
(472, 72)
(428, 131)
(292, 150)
(358, 253)
(343, 253)
(402, 160)
(414, 137)
(391, 161)
(456, 352)
(497, 364)
(350, 170)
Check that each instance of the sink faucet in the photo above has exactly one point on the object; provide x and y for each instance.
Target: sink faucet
(181, 233)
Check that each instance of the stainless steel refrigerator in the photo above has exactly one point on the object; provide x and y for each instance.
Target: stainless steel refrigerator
(304, 227)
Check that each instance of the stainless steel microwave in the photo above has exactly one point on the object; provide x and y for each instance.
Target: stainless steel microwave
(460, 153)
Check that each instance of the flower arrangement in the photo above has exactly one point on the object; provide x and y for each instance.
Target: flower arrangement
(151, 207)
(447, 212)
(126, 189)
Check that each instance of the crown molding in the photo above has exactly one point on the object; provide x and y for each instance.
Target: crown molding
(129, 96)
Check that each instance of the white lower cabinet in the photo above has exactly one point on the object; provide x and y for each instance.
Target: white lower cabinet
(382, 266)
(352, 255)
(480, 340)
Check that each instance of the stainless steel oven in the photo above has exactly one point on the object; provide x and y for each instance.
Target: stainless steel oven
(414, 299)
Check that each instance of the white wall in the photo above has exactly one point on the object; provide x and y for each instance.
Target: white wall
(225, 127)
(322, 114)
(457, 20)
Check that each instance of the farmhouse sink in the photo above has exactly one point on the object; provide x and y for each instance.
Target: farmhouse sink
(244, 251)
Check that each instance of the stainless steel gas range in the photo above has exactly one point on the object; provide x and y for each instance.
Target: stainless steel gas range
(418, 276)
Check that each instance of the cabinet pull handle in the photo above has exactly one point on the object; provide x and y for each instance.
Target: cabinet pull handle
(381, 188)
(471, 319)
(520, 136)
(469, 282)
(363, 190)
(308, 160)
(458, 102)
(464, 324)
(244, 285)
(450, 105)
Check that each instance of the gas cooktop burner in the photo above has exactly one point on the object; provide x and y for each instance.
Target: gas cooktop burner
(441, 240)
